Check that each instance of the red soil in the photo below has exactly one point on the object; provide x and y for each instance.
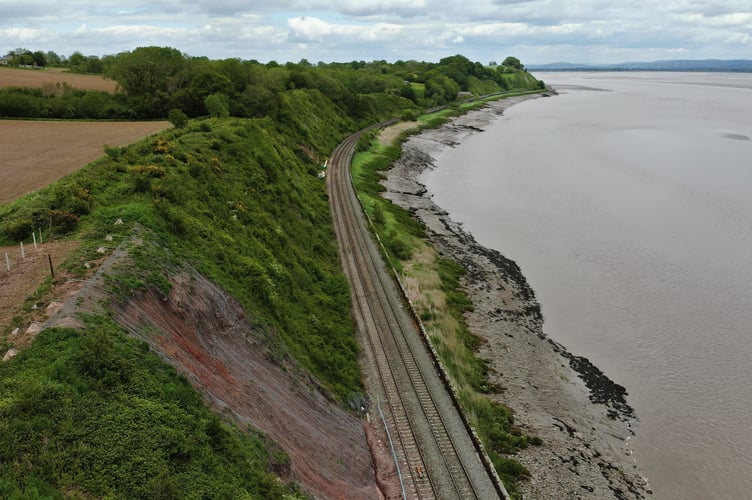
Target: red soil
(205, 334)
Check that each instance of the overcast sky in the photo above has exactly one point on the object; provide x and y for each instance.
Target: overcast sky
(535, 31)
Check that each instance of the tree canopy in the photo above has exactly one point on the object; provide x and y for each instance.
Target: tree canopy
(152, 81)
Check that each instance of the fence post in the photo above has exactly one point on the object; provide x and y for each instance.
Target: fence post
(23, 254)
(34, 237)
(52, 271)
(7, 261)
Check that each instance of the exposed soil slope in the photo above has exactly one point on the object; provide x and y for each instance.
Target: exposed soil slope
(205, 334)
(23, 279)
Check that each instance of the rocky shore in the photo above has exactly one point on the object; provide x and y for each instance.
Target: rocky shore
(582, 416)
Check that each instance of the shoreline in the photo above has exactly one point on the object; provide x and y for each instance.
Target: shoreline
(582, 416)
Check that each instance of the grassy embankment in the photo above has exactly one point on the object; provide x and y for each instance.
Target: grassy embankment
(92, 412)
(441, 303)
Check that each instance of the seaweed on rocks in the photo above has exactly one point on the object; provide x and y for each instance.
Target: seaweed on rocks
(603, 390)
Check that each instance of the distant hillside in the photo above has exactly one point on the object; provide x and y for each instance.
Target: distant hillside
(741, 65)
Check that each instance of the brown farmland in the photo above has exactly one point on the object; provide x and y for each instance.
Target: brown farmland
(34, 154)
(39, 78)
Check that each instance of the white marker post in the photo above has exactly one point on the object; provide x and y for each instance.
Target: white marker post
(40, 236)
(23, 254)
(34, 237)
(7, 261)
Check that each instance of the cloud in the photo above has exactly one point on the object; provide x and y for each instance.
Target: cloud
(533, 30)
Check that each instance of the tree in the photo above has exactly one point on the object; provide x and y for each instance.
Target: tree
(513, 62)
(53, 59)
(93, 65)
(149, 71)
(257, 101)
(202, 84)
(76, 60)
(218, 105)
(39, 58)
(440, 88)
(408, 92)
(22, 57)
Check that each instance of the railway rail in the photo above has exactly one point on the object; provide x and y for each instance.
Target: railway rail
(435, 452)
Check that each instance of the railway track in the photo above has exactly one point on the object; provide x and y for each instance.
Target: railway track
(435, 453)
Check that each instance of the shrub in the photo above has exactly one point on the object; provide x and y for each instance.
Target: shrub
(177, 118)
(63, 220)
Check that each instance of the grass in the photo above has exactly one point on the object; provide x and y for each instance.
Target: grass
(240, 201)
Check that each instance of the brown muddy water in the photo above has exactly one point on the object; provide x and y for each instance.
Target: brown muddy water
(627, 202)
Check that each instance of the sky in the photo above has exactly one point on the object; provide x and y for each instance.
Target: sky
(535, 31)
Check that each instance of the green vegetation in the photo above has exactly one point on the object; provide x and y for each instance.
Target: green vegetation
(239, 201)
(236, 195)
(95, 414)
(153, 81)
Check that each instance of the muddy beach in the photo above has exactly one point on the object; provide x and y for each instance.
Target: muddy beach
(583, 418)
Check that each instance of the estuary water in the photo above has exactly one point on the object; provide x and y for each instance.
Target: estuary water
(627, 202)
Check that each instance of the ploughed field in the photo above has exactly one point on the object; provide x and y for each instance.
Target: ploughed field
(40, 78)
(34, 154)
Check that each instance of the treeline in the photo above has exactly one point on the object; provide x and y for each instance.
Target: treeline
(161, 82)
(76, 62)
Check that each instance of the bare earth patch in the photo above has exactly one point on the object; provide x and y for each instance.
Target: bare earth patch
(388, 135)
(38, 78)
(23, 279)
(37, 153)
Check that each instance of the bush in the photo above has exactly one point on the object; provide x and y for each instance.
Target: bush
(63, 220)
(177, 118)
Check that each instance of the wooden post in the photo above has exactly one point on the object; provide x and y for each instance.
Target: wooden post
(7, 261)
(23, 254)
(52, 271)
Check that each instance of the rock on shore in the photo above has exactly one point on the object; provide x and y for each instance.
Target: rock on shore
(582, 416)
